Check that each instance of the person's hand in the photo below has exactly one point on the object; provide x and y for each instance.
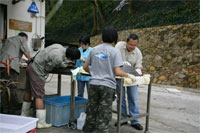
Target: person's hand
(132, 77)
(126, 63)
(24, 60)
(139, 71)
(82, 59)
(147, 78)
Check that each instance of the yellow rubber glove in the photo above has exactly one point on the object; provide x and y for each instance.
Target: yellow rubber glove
(132, 77)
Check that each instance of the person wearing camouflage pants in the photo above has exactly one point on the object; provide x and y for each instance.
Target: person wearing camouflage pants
(99, 108)
(105, 63)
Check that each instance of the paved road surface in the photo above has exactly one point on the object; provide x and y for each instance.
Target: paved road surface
(173, 109)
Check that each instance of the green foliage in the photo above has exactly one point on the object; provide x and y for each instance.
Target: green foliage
(70, 12)
(76, 17)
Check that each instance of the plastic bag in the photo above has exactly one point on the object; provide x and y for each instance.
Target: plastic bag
(81, 121)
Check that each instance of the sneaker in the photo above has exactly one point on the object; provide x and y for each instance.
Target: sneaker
(137, 126)
(125, 123)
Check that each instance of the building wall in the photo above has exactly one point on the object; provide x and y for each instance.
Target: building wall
(18, 11)
(171, 53)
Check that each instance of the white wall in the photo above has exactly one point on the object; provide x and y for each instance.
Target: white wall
(19, 11)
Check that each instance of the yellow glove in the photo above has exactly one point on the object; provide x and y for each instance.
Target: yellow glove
(136, 80)
(147, 78)
(132, 77)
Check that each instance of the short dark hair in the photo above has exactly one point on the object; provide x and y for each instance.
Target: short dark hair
(73, 53)
(85, 40)
(109, 34)
(132, 36)
(22, 34)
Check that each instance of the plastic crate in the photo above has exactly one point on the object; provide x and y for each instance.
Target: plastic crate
(58, 109)
(16, 124)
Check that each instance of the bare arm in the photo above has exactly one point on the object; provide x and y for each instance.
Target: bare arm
(28, 56)
(119, 72)
(86, 67)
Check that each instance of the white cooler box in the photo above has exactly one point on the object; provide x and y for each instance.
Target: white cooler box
(16, 124)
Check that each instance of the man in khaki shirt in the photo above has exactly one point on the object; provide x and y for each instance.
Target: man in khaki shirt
(12, 51)
(131, 56)
(49, 58)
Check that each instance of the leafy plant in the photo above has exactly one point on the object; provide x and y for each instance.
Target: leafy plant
(6, 83)
(5, 87)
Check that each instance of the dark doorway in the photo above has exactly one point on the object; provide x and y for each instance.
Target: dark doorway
(3, 22)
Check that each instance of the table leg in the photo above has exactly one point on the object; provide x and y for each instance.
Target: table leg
(73, 87)
(120, 106)
(59, 85)
(148, 107)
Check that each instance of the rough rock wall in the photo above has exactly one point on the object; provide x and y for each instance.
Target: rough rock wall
(171, 53)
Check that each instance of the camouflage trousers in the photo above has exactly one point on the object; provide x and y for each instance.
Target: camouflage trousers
(99, 109)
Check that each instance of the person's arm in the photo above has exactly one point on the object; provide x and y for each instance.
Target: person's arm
(24, 48)
(138, 64)
(86, 67)
(77, 64)
(28, 56)
(119, 72)
(117, 64)
(87, 62)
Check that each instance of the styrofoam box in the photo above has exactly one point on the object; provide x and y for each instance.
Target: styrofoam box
(16, 124)
(58, 109)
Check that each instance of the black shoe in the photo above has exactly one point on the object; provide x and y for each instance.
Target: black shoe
(137, 126)
(125, 123)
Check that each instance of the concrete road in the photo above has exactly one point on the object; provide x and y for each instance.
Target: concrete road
(173, 109)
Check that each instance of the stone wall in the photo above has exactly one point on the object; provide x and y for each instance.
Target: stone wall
(171, 53)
